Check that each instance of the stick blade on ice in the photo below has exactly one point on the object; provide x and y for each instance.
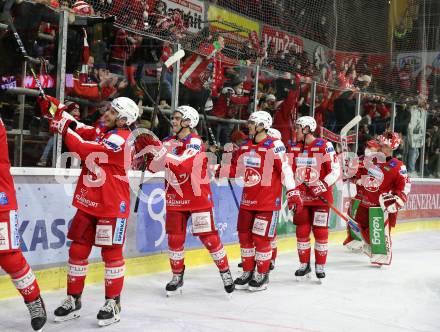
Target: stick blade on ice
(350, 125)
(174, 58)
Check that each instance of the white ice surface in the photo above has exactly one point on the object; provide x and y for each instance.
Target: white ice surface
(355, 297)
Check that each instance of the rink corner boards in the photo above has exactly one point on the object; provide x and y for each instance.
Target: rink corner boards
(55, 278)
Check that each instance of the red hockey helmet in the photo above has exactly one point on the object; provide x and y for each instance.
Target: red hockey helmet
(390, 139)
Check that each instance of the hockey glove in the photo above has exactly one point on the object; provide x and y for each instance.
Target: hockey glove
(318, 188)
(48, 106)
(294, 200)
(60, 124)
(390, 203)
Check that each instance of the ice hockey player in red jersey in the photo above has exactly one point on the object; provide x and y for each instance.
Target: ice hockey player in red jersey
(317, 168)
(188, 194)
(352, 242)
(383, 185)
(263, 164)
(102, 198)
(12, 260)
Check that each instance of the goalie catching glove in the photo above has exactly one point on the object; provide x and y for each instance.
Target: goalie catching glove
(294, 200)
(390, 203)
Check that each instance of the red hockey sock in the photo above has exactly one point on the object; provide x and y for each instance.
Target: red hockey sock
(114, 271)
(214, 245)
(263, 253)
(303, 242)
(76, 275)
(177, 255)
(247, 251)
(21, 274)
(321, 246)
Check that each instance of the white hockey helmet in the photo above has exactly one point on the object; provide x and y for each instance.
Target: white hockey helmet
(275, 133)
(126, 108)
(209, 105)
(307, 121)
(189, 113)
(261, 118)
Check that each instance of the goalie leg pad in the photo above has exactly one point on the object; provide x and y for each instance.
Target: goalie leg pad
(380, 237)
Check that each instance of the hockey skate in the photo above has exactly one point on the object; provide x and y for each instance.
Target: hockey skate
(69, 309)
(303, 272)
(110, 312)
(228, 282)
(320, 273)
(175, 285)
(259, 282)
(38, 314)
(242, 281)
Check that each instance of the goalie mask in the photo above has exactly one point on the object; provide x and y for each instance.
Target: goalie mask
(390, 140)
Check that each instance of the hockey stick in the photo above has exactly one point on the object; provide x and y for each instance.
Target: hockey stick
(7, 11)
(213, 142)
(353, 224)
(344, 145)
(167, 64)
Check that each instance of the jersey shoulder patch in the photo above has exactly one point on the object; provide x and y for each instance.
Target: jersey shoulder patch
(329, 147)
(194, 143)
(278, 147)
(319, 142)
(114, 142)
(268, 142)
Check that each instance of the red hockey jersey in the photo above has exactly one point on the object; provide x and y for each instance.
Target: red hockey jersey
(312, 163)
(186, 176)
(103, 187)
(374, 178)
(8, 200)
(264, 167)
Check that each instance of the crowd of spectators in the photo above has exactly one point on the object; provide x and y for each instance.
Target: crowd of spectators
(105, 61)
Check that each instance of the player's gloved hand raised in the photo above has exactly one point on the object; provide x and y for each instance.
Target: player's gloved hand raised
(318, 188)
(60, 124)
(390, 203)
(151, 146)
(48, 106)
(294, 200)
